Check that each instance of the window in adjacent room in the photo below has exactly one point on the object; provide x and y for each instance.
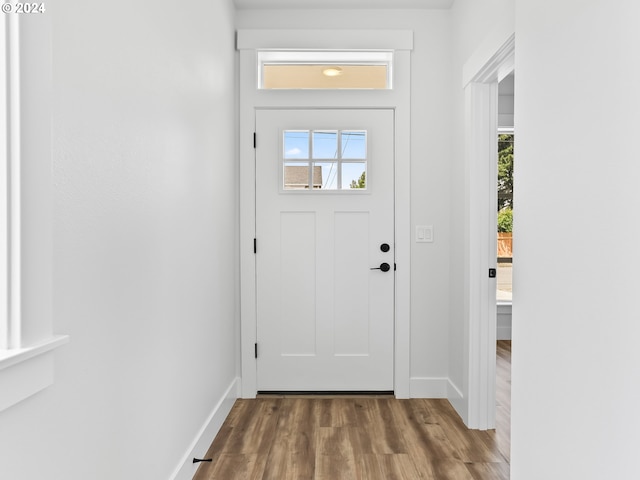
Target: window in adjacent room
(505, 214)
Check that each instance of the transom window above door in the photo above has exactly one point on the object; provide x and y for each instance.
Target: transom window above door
(324, 160)
(329, 70)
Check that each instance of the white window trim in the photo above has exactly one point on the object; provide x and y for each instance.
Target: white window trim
(10, 334)
(8, 206)
(25, 369)
(8, 358)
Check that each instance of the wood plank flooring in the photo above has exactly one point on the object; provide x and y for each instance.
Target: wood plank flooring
(360, 438)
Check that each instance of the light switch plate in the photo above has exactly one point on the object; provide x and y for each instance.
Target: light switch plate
(424, 233)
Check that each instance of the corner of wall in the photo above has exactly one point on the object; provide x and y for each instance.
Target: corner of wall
(423, 387)
(458, 402)
(186, 469)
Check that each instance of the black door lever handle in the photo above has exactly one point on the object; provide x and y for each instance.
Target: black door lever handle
(385, 267)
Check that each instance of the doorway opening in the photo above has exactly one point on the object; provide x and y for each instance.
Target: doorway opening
(505, 208)
(478, 409)
(506, 139)
(504, 284)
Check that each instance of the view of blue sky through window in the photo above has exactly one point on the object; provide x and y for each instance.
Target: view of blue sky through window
(296, 144)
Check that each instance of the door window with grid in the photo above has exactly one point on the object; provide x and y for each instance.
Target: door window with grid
(324, 160)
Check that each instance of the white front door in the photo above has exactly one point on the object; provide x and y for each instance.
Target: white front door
(324, 221)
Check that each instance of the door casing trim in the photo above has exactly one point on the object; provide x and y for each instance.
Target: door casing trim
(481, 76)
(251, 99)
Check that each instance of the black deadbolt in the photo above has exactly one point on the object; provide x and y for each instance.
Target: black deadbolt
(385, 247)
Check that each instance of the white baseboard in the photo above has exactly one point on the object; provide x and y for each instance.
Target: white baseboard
(431, 387)
(186, 468)
(504, 333)
(425, 387)
(453, 392)
(458, 402)
(503, 321)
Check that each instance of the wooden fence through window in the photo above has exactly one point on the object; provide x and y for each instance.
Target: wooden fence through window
(505, 245)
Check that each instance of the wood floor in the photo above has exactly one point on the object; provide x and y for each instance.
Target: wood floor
(358, 438)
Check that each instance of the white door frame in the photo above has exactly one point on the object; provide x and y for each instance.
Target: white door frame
(481, 151)
(398, 99)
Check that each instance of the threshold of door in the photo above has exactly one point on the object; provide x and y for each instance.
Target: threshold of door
(326, 393)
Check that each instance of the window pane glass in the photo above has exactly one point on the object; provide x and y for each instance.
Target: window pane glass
(354, 175)
(354, 144)
(505, 216)
(296, 144)
(324, 76)
(296, 175)
(312, 160)
(325, 144)
(325, 175)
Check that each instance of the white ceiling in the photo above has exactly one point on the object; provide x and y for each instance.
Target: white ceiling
(342, 4)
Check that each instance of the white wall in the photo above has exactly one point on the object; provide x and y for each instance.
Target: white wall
(145, 225)
(479, 29)
(576, 392)
(430, 169)
(506, 102)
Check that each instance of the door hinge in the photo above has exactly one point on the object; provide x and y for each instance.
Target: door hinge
(492, 273)
(395, 267)
(255, 245)
(256, 350)
(254, 139)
